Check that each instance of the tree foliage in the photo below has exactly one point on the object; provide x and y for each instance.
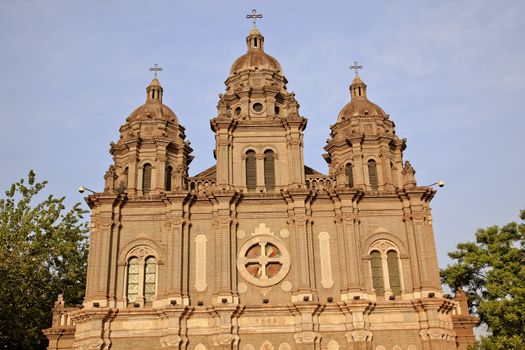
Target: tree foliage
(492, 273)
(43, 251)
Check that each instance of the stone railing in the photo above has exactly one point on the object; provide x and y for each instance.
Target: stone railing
(61, 316)
(320, 182)
(198, 186)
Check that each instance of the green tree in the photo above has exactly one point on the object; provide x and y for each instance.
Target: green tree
(492, 273)
(43, 251)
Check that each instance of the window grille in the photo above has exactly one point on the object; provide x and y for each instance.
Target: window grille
(269, 170)
(251, 171)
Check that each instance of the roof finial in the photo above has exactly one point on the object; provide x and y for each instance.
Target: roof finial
(254, 16)
(356, 67)
(155, 69)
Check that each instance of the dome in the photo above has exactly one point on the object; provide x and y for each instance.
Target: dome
(255, 58)
(359, 105)
(153, 108)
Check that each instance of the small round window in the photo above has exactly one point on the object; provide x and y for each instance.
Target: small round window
(257, 107)
(237, 111)
(263, 261)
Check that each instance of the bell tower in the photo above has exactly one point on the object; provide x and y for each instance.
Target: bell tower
(258, 129)
(363, 149)
(152, 155)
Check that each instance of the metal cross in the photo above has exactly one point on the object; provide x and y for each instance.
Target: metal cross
(155, 69)
(254, 16)
(356, 67)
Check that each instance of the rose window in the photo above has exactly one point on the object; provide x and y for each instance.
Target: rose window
(263, 261)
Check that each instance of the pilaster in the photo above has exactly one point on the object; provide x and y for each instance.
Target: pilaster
(224, 213)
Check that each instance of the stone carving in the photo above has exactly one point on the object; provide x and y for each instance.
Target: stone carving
(284, 233)
(266, 346)
(359, 335)
(200, 346)
(286, 286)
(306, 337)
(241, 234)
(170, 340)
(224, 339)
(285, 346)
(397, 347)
(383, 246)
(436, 333)
(332, 345)
(242, 287)
(326, 261)
(200, 263)
(262, 229)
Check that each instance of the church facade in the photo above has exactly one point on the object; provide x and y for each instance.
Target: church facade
(261, 251)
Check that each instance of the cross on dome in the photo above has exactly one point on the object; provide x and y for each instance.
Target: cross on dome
(155, 69)
(356, 67)
(254, 16)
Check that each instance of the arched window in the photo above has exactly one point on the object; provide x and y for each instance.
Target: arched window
(150, 277)
(349, 175)
(377, 272)
(269, 170)
(167, 180)
(372, 174)
(251, 171)
(146, 178)
(393, 272)
(133, 279)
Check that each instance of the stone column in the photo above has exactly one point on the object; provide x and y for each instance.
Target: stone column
(174, 327)
(221, 126)
(102, 259)
(359, 173)
(358, 335)
(224, 225)
(307, 336)
(302, 251)
(226, 335)
(260, 171)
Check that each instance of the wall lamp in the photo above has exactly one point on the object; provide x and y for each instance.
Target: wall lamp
(82, 189)
(440, 183)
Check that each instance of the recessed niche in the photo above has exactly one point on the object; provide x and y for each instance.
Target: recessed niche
(257, 107)
(277, 110)
(237, 111)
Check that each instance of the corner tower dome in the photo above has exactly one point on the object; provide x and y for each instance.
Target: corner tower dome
(359, 104)
(152, 155)
(153, 108)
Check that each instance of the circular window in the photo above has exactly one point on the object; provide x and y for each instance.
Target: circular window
(257, 107)
(263, 261)
(237, 111)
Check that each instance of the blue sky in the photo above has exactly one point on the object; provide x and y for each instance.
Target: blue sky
(451, 74)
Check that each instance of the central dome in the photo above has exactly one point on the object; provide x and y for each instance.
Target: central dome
(255, 58)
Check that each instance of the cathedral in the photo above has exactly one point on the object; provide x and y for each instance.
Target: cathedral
(260, 251)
